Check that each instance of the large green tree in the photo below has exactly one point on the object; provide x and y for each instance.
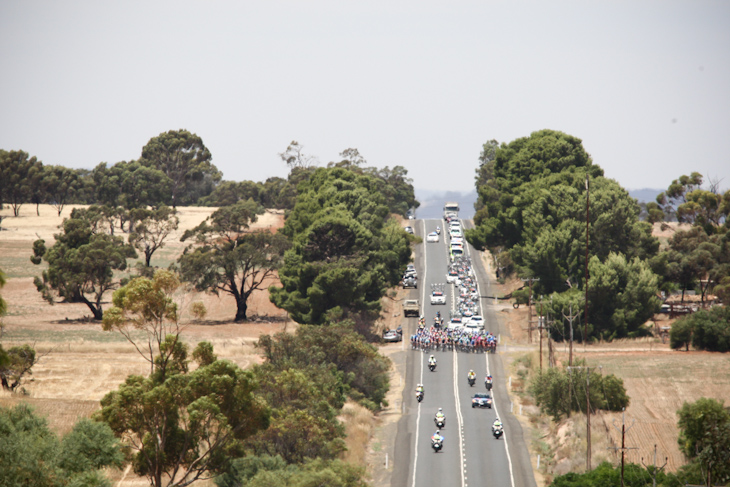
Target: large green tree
(227, 257)
(622, 296)
(694, 260)
(81, 263)
(60, 185)
(705, 437)
(153, 228)
(21, 177)
(188, 427)
(183, 158)
(346, 251)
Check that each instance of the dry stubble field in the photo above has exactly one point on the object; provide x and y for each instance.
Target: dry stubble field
(80, 362)
(658, 381)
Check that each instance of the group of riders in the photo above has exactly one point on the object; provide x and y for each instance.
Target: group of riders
(437, 440)
(440, 339)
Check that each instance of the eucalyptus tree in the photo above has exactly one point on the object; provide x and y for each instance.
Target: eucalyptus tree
(21, 177)
(226, 256)
(183, 158)
(81, 263)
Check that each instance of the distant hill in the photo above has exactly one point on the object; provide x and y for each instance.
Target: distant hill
(432, 203)
(645, 195)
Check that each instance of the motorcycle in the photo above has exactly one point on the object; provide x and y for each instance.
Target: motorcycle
(472, 381)
(440, 422)
(497, 432)
(488, 384)
(432, 367)
(419, 396)
(437, 445)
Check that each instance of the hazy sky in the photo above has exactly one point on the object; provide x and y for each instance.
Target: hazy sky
(644, 84)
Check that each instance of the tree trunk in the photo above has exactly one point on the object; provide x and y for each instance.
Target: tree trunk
(241, 308)
(95, 308)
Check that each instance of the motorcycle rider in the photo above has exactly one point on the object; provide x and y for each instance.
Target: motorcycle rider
(431, 360)
(497, 424)
(437, 437)
(472, 375)
(419, 388)
(440, 416)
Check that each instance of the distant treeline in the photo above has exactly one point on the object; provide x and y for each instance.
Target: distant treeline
(175, 169)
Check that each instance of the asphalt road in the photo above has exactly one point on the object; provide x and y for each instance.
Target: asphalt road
(471, 455)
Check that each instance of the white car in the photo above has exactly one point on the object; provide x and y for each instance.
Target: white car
(455, 323)
(452, 277)
(437, 297)
(477, 321)
(455, 233)
(432, 237)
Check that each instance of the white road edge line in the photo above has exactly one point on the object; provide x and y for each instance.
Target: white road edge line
(486, 356)
(460, 418)
(494, 400)
(418, 414)
(418, 423)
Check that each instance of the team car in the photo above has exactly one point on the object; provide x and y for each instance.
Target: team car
(432, 237)
(438, 297)
(392, 336)
(481, 400)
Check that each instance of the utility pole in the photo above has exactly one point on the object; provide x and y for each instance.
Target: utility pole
(539, 326)
(623, 442)
(654, 469)
(570, 319)
(588, 412)
(585, 334)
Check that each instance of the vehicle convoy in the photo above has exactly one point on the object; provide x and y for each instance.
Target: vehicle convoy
(411, 308)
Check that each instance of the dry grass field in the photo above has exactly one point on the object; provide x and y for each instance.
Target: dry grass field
(80, 363)
(658, 381)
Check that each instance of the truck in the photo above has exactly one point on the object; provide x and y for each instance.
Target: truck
(451, 210)
(411, 307)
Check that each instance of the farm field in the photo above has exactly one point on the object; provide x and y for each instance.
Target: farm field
(80, 362)
(657, 379)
